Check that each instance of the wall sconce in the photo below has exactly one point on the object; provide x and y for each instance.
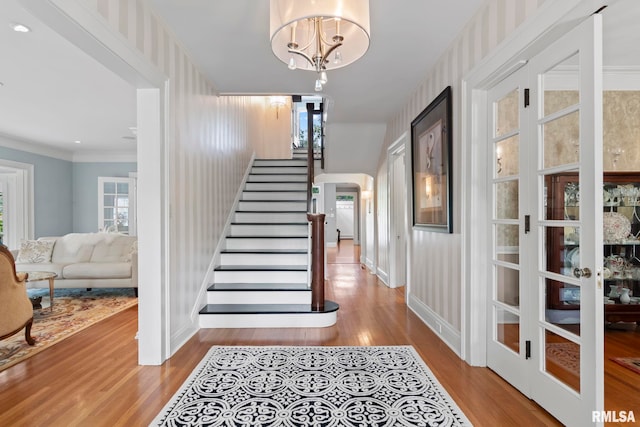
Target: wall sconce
(278, 102)
(367, 194)
(427, 187)
(498, 160)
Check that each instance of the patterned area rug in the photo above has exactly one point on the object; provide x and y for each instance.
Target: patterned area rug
(73, 311)
(565, 355)
(311, 386)
(632, 363)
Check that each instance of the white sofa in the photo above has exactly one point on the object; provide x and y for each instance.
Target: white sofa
(82, 260)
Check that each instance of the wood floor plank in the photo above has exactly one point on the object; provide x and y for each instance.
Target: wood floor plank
(92, 378)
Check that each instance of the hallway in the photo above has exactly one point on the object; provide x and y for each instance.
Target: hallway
(92, 378)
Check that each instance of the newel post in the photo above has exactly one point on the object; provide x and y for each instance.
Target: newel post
(317, 261)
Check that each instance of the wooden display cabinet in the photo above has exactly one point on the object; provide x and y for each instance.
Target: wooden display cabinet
(563, 203)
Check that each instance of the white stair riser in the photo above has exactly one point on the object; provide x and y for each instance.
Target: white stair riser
(316, 320)
(250, 205)
(260, 277)
(259, 297)
(282, 162)
(271, 217)
(263, 259)
(278, 169)
(301, 243)
(269, 230)
(278, 177)
(274, 195)
(276, 186)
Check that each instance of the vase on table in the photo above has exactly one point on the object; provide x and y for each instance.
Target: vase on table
(614, 291)
(624, 296)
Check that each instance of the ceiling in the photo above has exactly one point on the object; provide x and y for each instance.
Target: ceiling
(53, 94)
(229, 40)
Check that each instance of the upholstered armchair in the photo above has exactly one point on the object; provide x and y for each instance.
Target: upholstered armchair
(16, 311)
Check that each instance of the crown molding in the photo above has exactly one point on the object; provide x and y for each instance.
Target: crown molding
(105, 157)
(20, 144)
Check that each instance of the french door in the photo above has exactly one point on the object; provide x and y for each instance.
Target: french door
(545, 305)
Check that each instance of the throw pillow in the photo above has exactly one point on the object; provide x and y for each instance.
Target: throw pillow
(35, 251)
(132, 249)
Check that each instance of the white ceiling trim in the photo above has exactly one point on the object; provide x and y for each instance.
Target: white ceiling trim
(34, 148)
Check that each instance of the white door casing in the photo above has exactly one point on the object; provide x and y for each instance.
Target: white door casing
(397, 212)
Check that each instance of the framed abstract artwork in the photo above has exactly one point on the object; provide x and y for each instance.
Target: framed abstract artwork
(431, 155)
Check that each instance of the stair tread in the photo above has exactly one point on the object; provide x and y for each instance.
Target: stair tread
(261, 268)
(329, 306)
(264, 251)
(266, 287)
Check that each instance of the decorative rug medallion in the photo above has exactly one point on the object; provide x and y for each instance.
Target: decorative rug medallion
(632, 363)
(73, 311)
(311, 386)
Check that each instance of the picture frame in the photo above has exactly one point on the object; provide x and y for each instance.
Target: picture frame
(431, 165)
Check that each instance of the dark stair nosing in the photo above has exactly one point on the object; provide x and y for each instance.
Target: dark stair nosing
(262, 287)
(264, 251)
(249, 181)
(261, 268)
(269, 223)
(272, 160)
(268, 212)
(271, 201)
(267, 237)
(329, 307)
(279, 173)
(278, 166)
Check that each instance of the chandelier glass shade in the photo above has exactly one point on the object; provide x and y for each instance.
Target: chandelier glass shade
(319, 35)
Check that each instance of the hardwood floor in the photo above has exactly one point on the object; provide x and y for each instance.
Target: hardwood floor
(92, 378)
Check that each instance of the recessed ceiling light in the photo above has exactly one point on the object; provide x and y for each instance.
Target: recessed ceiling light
(20, 28)
(77, 141)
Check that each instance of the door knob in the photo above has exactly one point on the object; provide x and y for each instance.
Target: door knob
(582, 272)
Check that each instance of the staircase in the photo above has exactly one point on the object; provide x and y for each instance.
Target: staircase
(263, 275)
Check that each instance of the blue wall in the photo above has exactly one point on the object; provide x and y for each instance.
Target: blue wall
(65, 193)
(52, 182)
(85, 191)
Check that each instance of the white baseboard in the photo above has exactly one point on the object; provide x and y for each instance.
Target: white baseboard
(382, 275)
(437, 324)
(332, 244)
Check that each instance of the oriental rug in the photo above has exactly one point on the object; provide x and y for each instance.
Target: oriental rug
(73, 311)
(311, 386)
(632, 363)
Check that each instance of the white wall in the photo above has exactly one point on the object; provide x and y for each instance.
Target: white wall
(209, 147)
(435, 258)
(353, 147)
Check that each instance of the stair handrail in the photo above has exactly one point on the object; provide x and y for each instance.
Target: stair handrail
(310, 157)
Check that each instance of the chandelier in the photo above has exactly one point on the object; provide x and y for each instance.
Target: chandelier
(319, 35)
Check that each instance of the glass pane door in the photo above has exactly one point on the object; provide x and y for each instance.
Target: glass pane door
(568, 130)
(505, 347)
